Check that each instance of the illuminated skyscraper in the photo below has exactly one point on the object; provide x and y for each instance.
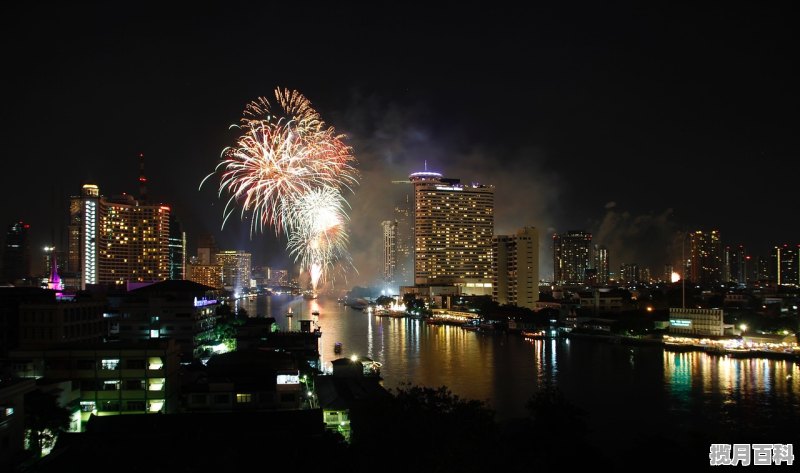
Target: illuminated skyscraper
(17, 252)
(571, 256)
(389, 249)
(629, 273)
(133, 241)
(84, 219)
(515, 268)
(785, 261)
(601, 264)
(453, 229)
(206, 274)
(117, 240)
(735, 265)
(404, 243)
(235, 269)
(177, 249)
(706, 257)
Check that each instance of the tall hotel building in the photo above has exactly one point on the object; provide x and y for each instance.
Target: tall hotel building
(235, 269)
(571, 257)
(404, 242)
(117, 240)
(389, 249)
(787, 269)
(706, 257)
(453, 230)
(601, 264)
(516, 268)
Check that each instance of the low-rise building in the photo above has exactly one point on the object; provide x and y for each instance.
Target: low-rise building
(114, 378)
(701, 322)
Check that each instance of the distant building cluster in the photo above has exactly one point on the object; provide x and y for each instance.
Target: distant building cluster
(454, 245)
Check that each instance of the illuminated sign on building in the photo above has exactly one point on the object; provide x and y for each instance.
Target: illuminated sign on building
(204, 302)
(685, 323)
(288, 379)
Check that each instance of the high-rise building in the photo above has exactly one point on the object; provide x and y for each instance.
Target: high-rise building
(133, 241)
(515, 268)
(571, 256)
(644, 275)
(207, 249)
(17, 252)
(706, 257)
(206, 274)
(735, 265)
(785, 262)
(389, 249)
(601, 264)
(235, 269)
(453, 229)
(404, 243)
(668, 270)
(277, 277)
(763, 270)
(629, 273)
(177, 249)
(117, 240)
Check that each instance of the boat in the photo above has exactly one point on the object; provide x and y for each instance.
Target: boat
(534, 335)
(337, 347)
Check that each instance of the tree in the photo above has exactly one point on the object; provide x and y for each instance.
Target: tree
(44, 419)
(446, 428)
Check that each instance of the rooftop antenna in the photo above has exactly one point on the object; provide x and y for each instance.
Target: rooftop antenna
(142, 180)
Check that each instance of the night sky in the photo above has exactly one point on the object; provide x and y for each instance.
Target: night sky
(633, 122)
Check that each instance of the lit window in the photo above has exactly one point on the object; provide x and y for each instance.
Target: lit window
(243, 398)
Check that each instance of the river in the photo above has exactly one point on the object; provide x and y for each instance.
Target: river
(631, 395)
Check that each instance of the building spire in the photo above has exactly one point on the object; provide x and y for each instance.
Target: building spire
(142, 180)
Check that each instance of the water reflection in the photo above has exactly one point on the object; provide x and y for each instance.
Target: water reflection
(616, 384)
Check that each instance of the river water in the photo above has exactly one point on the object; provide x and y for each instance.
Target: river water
(631, 395)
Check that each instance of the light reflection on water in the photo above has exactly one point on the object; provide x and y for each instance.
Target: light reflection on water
(646, 387)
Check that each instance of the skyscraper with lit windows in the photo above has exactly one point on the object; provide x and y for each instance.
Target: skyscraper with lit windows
(706, 257)
(16, 262)
(453, 230)
(117, 240)
(389, 228)
(571, 257)
(515, 268)
(601, 264)
(785, 261)
(235, 268)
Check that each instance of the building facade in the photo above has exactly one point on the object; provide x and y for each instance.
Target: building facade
(706, 257)
(389, 228)
(571, 257)
(515, 268)
(404, 242)
(453, 230)
(114, 378)
(16, 262)
(700, 322)
(206, 274)
(113, 241)
(601, 264)
(177, 249)
(786, 265)
(235, 269)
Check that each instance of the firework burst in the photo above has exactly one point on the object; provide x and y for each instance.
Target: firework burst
(288, 170)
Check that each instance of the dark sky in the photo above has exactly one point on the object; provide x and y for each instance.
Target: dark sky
(634, 122)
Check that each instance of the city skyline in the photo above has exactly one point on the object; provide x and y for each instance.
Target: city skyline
(615, 125)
